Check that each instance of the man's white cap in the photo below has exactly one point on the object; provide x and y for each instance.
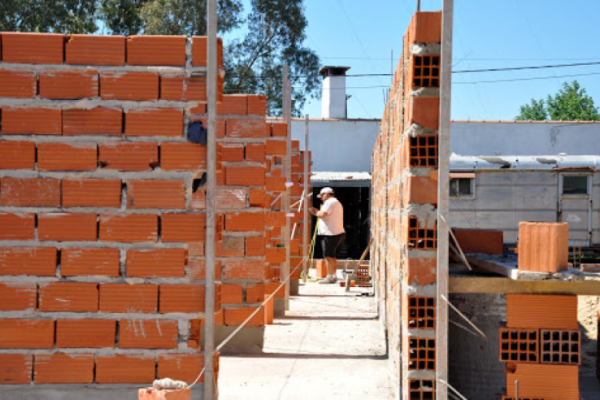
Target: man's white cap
(327, 190)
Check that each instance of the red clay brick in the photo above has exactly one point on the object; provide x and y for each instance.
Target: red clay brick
(17, 192)
(128, 228)
(244, 222)
(95, 121)
(76, 262)
(17, 155)
(232, 293)
(26, 333)
(484, 241)
(182, 367)
(31, 121)
(154, 122)
(255, 246)
(32, 48)
(63, 368)
(421, 271)
(279, 129)
(156, 50)
(179, 88)
(28, 261)
(545, 381)
(183, 227)
(275, 184)
(148, 334)
(17, 226)
(543, 246)
(541, 311)
(156, 263)
(125, 369)
(91, 193)
(67, 156)
(136, 86)
(255, 293)
(89, 333)
(236, 316)
(69, 296)
(199, 51)
(68, 85)
(421, 190)
(15, 369)
(198, 269)
(95, 50)
(64, 227)
(17, 296)
(125, 298)
(181, 299)
(233, 152)
(258, 198)
(246, 128)
(276, 255)
(226, 199)
(235, 104)
(245, 176)
(135, 156)
(18, 84)
(244, 269)
(257, 104)
(182, 156)
(155, 194)
(276, 147)
(256, 152)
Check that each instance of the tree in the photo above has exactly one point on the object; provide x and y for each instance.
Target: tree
(270, 36)
(571, 103)
(61, 16)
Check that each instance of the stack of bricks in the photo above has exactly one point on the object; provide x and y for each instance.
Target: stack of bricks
(541, 345)
(403, 210)
(102, 223)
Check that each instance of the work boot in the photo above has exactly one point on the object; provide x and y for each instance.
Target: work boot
(328, 280)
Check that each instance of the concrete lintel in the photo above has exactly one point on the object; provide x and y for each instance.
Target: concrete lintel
(507, 285)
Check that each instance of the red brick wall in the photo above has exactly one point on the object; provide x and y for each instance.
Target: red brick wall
(404, 197)
(102, 263)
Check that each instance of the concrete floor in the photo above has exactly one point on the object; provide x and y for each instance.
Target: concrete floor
(330, 345)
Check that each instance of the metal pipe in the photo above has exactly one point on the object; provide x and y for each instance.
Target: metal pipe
(211, 188)
(305, 217)
(441, 333)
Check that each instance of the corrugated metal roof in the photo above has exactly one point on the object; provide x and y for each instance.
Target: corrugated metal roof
(471, 163)
(326, 176)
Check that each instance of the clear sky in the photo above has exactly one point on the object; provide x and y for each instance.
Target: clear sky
(487, 34)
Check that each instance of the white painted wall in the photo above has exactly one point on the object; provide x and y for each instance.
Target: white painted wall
(333, 100)
(518, 139)
(339, 145)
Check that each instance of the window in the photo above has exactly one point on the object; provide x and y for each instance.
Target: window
(461, 187)
(575, 185)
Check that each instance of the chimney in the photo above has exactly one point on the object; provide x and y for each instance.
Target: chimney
(333, 101)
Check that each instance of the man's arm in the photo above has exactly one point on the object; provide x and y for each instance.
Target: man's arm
(318, 213)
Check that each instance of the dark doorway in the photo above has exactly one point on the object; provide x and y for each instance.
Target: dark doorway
(356, 202)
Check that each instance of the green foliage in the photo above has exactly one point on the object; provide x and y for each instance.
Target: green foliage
(60, 16)
(536, 111)
(571, 103)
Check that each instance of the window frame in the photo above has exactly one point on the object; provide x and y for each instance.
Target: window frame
(456, 177)
(575, 195)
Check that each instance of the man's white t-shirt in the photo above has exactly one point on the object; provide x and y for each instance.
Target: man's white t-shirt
(333, 224)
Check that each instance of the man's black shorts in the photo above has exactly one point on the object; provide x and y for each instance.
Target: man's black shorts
(332, 245)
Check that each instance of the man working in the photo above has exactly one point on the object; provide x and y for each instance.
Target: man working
(330, 230)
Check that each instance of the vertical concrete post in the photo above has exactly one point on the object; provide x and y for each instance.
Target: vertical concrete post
(306, 203)
(211, 187)
(443, 193)
(287, 171)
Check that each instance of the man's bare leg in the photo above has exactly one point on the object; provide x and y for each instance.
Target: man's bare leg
(331, 265)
